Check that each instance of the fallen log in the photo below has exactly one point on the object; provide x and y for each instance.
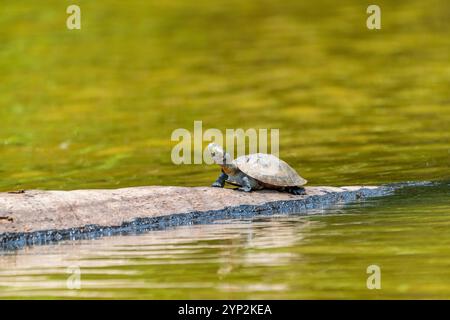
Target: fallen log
(41, 217)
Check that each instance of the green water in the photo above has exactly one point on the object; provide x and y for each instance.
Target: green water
(321, 256)
(95, 108)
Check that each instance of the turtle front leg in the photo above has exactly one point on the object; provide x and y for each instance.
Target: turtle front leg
(246, 185)
(220, 182)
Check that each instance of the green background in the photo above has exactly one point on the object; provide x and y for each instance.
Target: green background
(95, 108)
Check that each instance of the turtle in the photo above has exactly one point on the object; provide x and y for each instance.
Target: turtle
(256, 171)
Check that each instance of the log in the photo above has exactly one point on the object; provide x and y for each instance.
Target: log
(41, 217)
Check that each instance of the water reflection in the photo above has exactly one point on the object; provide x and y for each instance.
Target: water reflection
(314, 256)
(226, 245)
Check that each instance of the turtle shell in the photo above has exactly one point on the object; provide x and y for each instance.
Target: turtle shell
(269, 169)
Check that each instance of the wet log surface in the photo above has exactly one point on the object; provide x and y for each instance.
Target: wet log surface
(41, 217)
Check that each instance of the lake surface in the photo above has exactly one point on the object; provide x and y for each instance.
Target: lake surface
(323, 255)
(95, 108)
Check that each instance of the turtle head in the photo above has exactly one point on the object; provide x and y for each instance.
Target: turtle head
(218, 155)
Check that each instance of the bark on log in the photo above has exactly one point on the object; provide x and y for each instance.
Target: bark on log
(40, 217)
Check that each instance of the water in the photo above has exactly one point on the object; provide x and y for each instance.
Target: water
(95, 108)
(323, 255)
